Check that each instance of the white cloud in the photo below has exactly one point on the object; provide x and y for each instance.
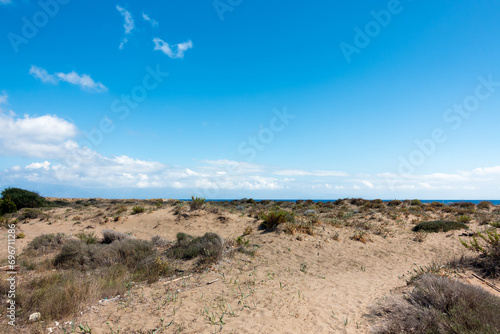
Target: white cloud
(299, 172)
(44, 136)
(4, 97)
(42, 74)
(84, 81)
(38, 165)
(129, 24)
(166, 49)
(146, 17)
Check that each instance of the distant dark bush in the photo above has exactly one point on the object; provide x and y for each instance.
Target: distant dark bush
(415, 202)
(377, 201)
(437, 204)
(465, 205)
(439, 226)
(440, 305)
(484, 205)
(209, 247)
(7, 205)
(31, 214)
(395, 202)
(357, 201)
(24, 198)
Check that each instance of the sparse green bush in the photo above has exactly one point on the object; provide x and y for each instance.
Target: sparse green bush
(138, 209)
(416, 202)
(209, 247)
(276, 217)
(88, 238)
(395, 202)
(7, 205)
(30, 214)
(196, 203)
(46, 242)
(439, 226)
(440, 305)
(464, 219)
(24, 198)
(484, 205)
(488, 245)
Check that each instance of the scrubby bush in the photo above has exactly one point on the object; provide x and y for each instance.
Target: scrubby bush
(196, 203)
(416, 202)
(158, 241)
(488, 245)
(439, 226)
(138, 209)
(46, 242)
(395, 202)
(464, 219)
(31, 214)
(110, 235)
(209, 247)
(276, 217)
(24, 198)
(484, 205)
(88, 238)
(7, 205)
(440, 305)
(357, 201)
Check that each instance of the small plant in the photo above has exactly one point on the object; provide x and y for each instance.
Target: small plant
(464, 219)
(275, 218)
(420, 236)
(242, 241)
(248, 230)
(395, 202)
(488, 245)
(303, 267)
(361, 236)
(196, 203)
(439, 226)
(89, 238)
(416, 202)
(138, 209)
(20, 235)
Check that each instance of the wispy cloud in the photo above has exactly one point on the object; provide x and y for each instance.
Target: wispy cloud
(298, 172)
(167, 49)
(3, 97)
(84, 81)
(128, 25)
(146, 17)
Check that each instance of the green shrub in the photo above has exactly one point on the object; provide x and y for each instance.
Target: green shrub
(395, 202)
(89, 238)
(46, 242)
(464, 219)
(138, 209)
(439, 226)
(440, 305)
(31, 214)
(110, 235)
(488, 245)
(210, 247)
(416, 202)
(24, 198)
(485, 205)
(276, 217)
(196, 203)
(7, 205)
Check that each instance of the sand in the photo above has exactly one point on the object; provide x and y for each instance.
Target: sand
(294, 284)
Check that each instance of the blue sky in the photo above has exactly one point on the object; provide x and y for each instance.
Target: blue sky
(231, 99)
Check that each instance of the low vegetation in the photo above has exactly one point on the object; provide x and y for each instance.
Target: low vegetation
(196, 203)
(488, 246)
(440, 305)
(439, 226)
